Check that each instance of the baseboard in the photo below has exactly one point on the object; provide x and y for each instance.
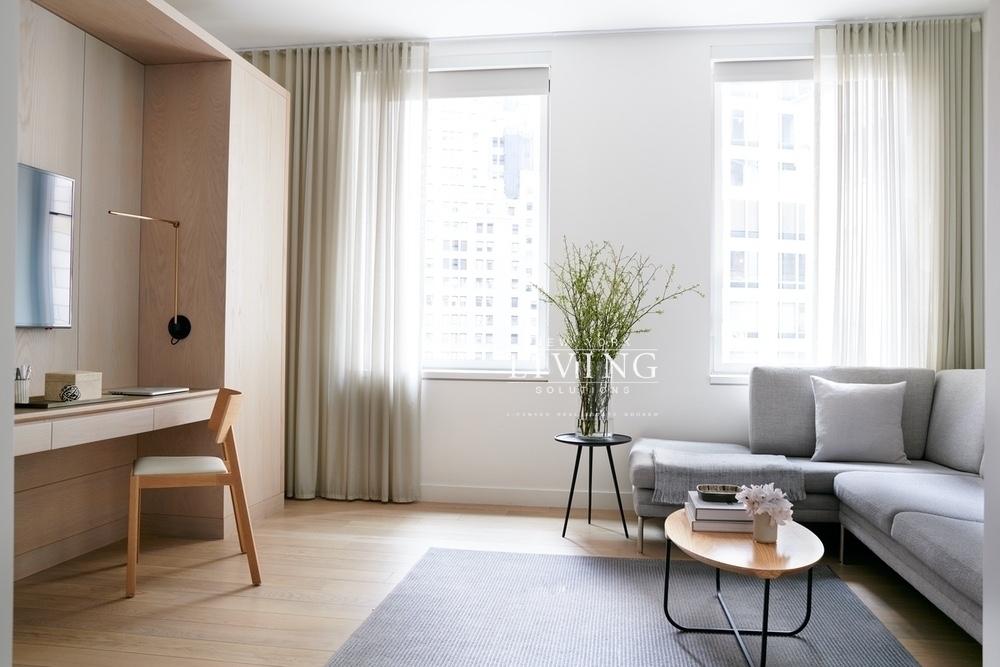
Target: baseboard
(176, 525)
(497, 495)
(259, 510)
(68, 548)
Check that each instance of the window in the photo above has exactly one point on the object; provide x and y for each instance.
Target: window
(486, 187)
(763, 291)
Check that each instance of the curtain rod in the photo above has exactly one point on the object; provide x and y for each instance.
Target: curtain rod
(621, 31)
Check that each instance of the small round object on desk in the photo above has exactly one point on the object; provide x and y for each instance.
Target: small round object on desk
(69, 393)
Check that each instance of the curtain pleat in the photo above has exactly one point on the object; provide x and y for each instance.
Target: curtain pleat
(353, 397)
(906, 256)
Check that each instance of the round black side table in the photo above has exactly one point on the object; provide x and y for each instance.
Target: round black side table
(580, 443)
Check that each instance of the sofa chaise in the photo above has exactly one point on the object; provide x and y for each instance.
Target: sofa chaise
(923, 518)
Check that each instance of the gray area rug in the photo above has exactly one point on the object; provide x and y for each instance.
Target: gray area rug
(489, 608)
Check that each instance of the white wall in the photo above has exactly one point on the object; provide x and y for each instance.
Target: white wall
(8, 158)
(631, 146)
(991, 583)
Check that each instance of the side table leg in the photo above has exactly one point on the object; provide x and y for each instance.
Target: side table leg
(618, 494)
(572, 486)
(590, 480)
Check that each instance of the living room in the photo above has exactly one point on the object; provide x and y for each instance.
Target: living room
(413, 263)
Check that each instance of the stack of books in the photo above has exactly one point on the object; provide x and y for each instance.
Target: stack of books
(717, 517)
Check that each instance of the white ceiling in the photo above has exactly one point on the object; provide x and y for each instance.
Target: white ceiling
(245, 23)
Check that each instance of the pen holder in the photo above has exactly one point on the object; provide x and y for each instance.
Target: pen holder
(21, 391)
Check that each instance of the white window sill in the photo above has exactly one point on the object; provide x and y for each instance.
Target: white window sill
(729, 378)
(488, 376)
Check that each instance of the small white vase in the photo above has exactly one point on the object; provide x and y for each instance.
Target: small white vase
(763, 531)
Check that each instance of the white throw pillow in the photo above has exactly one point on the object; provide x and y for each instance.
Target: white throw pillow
(859, 422)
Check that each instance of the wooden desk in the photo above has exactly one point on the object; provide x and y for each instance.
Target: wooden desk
(39, 430)
(72, 466)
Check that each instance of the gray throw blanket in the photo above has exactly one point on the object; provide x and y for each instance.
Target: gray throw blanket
(679, 472)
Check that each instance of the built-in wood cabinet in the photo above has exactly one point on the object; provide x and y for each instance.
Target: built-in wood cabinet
(149, 113)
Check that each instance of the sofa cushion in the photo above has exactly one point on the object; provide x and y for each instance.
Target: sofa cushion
(783, 415)
(640, 458)
(955, 434)
(858, 422)
(878, 497)
(819, 475)
(953, 547)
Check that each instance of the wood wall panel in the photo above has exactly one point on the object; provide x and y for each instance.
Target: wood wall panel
(153, 33)
(185, 169)
(108, 314)
(80, 114)
(255, 277)
(49, 122)
(69, 501)
(185, 172)
(44, 468)
(47, 514)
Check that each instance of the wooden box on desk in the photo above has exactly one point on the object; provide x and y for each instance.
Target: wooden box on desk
(89, 383)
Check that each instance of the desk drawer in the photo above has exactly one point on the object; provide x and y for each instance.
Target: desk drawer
(69, 432)
(31, 438)
(183, 412)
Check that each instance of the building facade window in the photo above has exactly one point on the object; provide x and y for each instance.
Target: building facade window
(763, 261)
(485, 204)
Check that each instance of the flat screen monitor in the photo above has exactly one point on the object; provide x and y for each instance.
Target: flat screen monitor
(43, 280)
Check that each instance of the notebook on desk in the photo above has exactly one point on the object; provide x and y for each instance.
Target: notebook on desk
(146, 391)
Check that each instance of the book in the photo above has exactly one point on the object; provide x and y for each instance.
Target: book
(706, 511)
(715, 525)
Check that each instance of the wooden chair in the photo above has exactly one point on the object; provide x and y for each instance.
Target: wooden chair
(167, 472)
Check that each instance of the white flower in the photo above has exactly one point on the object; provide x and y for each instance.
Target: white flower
(766, 499)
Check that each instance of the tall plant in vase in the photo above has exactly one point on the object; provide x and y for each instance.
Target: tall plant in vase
(604, 294)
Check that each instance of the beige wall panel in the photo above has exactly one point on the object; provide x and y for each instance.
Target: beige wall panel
(46, 468)
(150, 31)
(50, 513)
(108, 316)
(49, 121)
(184, 168)
(255, 277)
(69, 547)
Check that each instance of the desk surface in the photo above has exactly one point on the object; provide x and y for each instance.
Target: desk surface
(30, 415)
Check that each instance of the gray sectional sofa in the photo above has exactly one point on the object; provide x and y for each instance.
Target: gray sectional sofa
(923, 518)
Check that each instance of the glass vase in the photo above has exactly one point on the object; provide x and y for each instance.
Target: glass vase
(594, 420)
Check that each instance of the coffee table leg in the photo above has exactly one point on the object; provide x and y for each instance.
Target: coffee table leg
(618, 494)
(572, 485)
(732, 629)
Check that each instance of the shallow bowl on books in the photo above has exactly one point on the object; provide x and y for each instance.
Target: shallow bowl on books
(718, 493)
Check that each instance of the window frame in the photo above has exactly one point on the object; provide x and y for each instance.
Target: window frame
(745, 65)
(470, 369)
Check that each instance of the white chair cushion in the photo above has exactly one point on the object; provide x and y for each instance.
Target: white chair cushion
(178, 465)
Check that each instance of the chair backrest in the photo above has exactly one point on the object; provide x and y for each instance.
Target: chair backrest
(783, 409)
(227, 407)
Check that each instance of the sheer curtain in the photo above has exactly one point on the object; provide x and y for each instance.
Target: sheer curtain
(900, 193)
(353, 403)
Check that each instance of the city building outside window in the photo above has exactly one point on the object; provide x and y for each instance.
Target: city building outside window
(485, 204)
(764, 284)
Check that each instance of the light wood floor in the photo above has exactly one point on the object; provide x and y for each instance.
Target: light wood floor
(326, 565)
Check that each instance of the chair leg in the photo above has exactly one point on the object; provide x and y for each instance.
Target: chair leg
(642, 533)
(133, 537)
(243, 520)
(138, 520)
(239, 530)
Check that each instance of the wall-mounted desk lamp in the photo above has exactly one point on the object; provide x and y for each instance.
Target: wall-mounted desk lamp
(179, 326)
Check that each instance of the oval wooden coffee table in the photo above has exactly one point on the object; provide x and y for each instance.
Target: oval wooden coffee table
(797, 549)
